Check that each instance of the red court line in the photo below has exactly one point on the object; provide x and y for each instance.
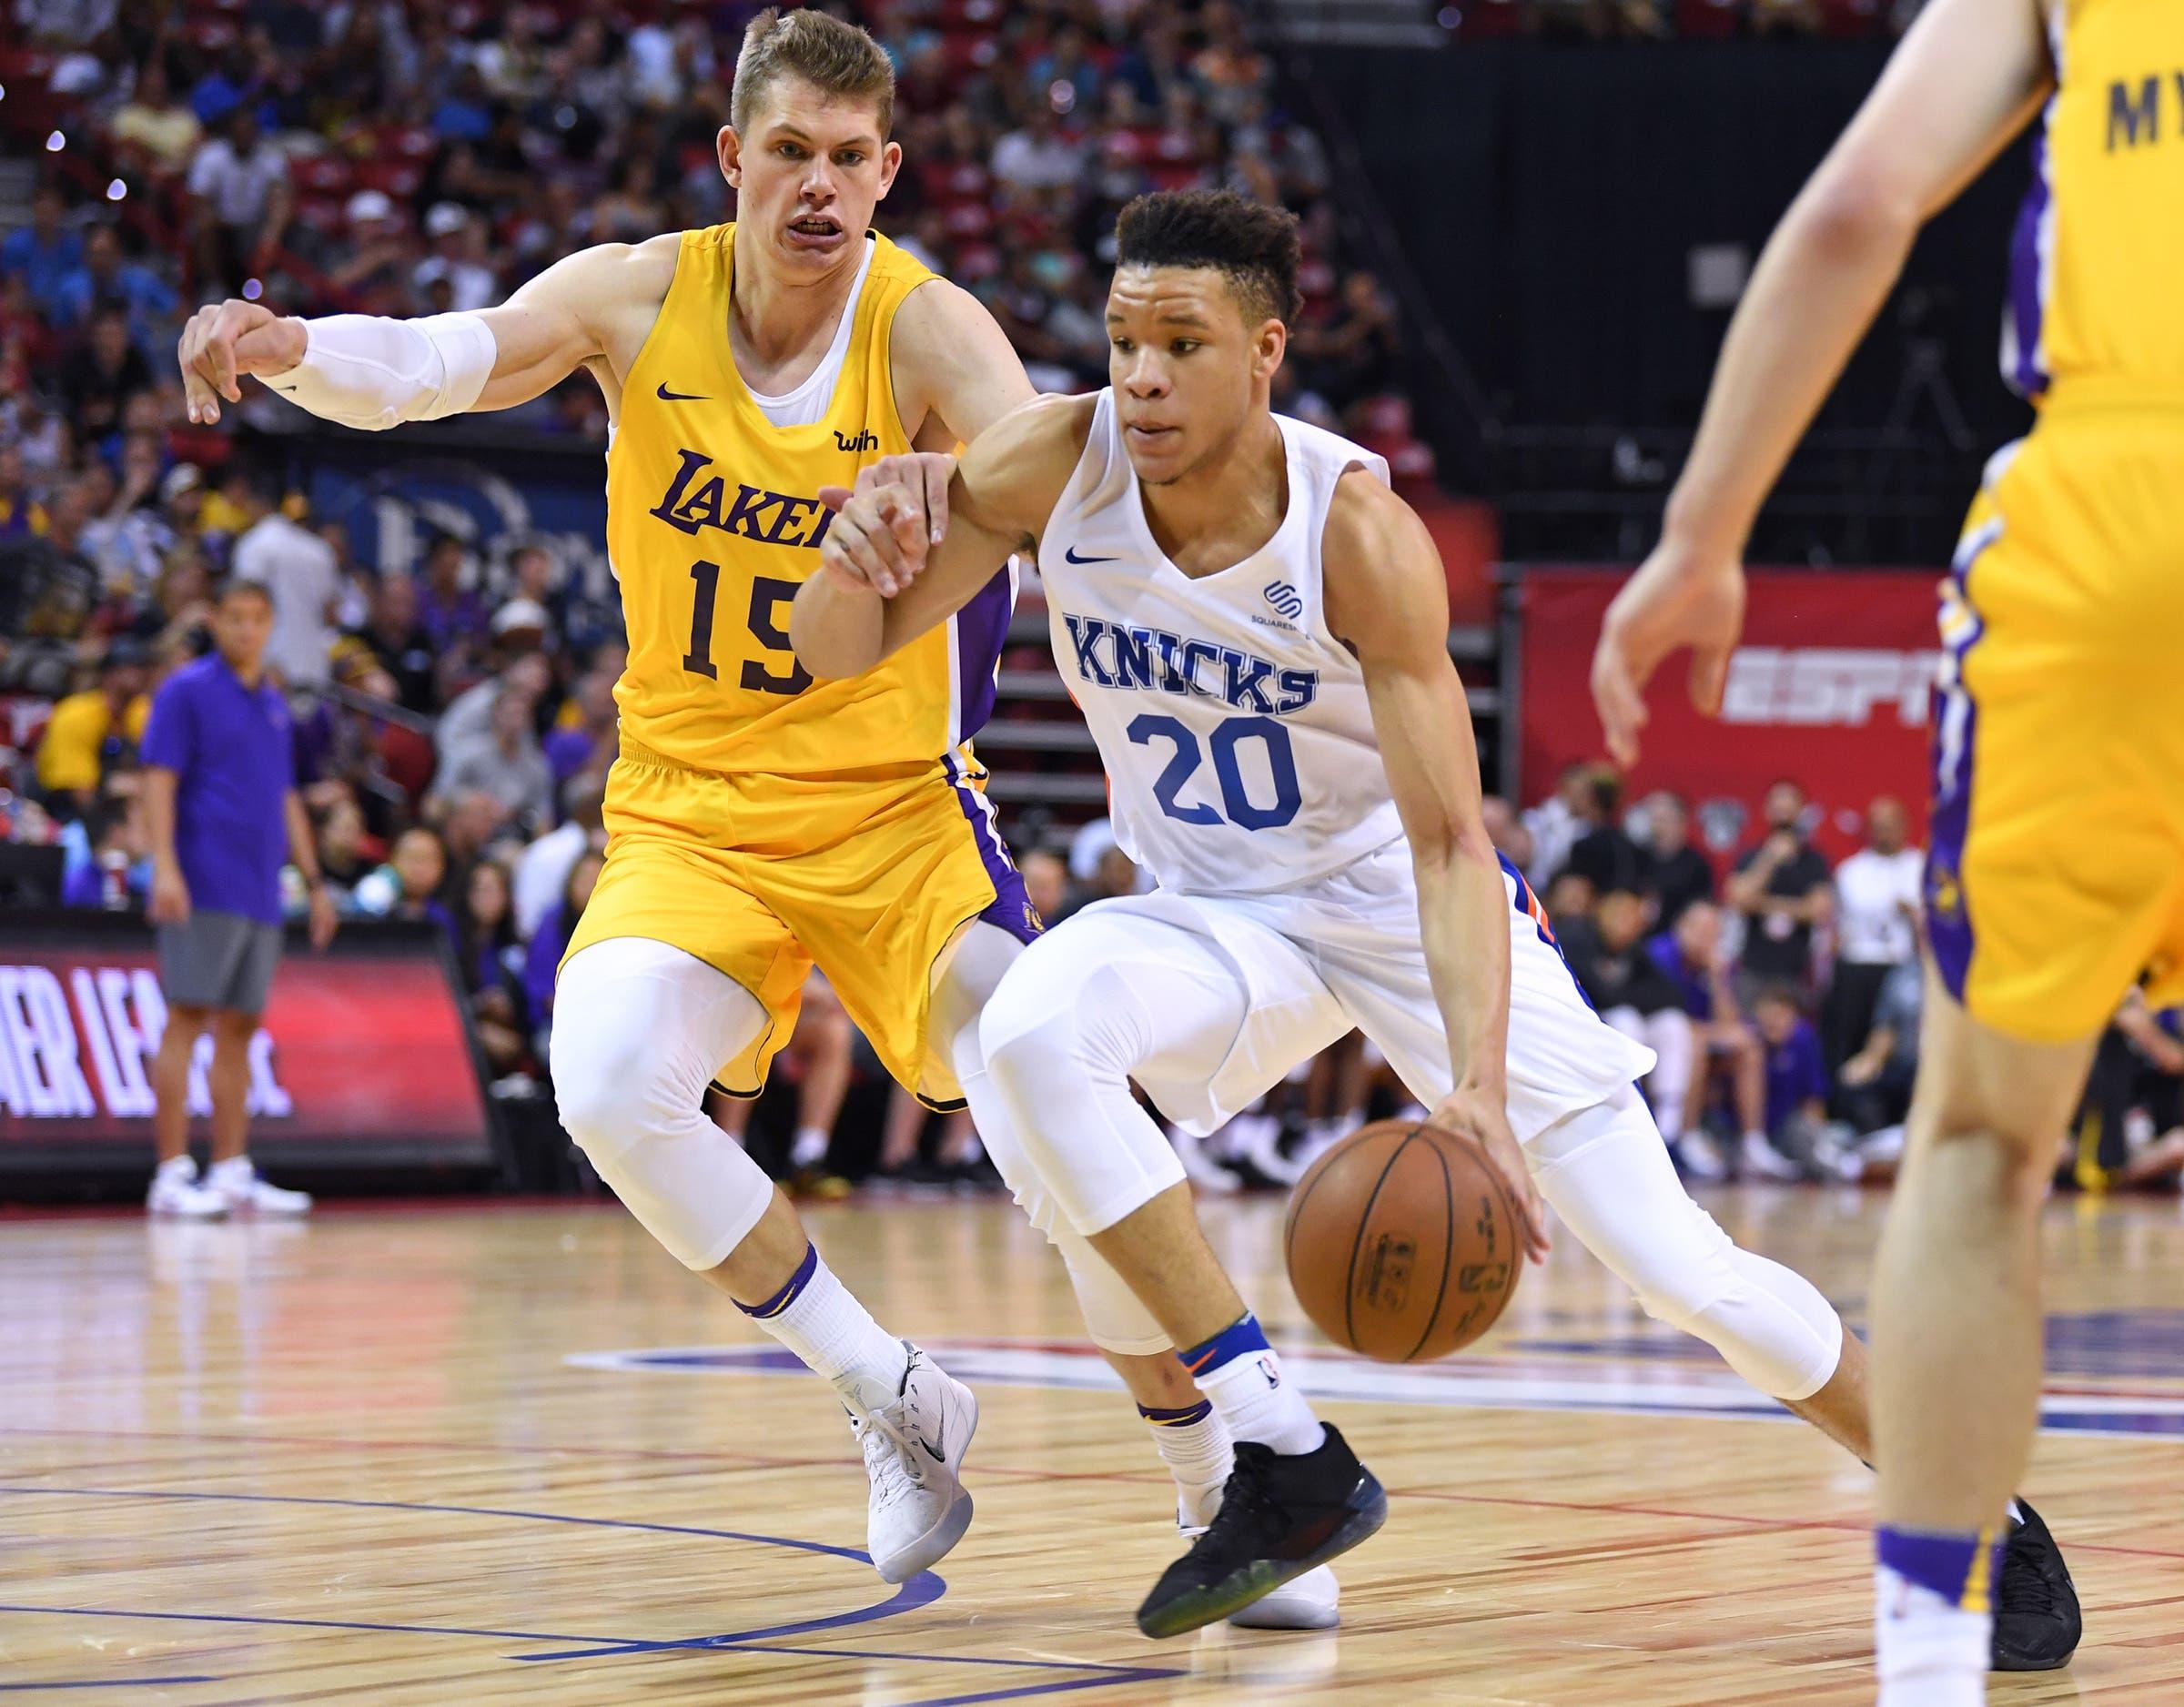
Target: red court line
(752, 1460)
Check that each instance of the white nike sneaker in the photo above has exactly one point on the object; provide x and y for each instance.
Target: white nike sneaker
(176, 1192)
(914, 1446)
(1312, 1601)
(237, 1181)
(1758, 1159)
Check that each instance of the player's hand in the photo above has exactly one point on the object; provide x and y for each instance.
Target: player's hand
(170, 903)
(877, 538)
(325, 920)
(1678, 598)
(1485, 1122)
(925, 476)
(223, 341)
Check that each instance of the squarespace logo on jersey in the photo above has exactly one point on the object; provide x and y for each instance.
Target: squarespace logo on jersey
(693, 504)
(1113, 655)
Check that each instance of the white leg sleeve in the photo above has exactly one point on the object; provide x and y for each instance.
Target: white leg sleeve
(1086, 1006)
(1113, 1317)
(1607, 1174)
(368, 371)
(639, 1030)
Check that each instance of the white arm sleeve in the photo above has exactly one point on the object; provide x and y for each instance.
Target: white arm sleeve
(364, 370)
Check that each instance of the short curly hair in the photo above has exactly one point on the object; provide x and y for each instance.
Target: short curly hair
(1254, 245)
(837, 59)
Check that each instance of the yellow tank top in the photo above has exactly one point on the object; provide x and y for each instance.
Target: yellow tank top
(2097, 263)
(714, 521)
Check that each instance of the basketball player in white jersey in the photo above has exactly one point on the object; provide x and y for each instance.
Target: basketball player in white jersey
(1255, 627)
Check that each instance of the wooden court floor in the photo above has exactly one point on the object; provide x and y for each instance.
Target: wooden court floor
(516, 1455)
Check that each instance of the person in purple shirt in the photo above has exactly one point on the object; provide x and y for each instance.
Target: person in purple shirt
(452, 615)
(1796, 1078)
(222, 813)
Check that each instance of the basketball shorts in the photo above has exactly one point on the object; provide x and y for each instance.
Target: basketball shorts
(761, 877)
(1342, 951)
(2055, 875)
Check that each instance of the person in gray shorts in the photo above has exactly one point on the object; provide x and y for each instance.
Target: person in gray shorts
(222, 813)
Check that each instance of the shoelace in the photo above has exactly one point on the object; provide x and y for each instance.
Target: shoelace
(1247, 1503)
(2025, 1586)
(891, 1454)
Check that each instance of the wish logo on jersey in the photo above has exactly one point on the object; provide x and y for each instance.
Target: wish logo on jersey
(1127, 657)
(693, 504)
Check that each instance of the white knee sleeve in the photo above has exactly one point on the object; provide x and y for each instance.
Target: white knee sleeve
(1607, 1174)
(1059, 1050)
(1114, 1318)
(639, 1030)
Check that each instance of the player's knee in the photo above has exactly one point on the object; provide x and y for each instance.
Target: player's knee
(1771, 1325)
(1978, 1164)
(601, 1085)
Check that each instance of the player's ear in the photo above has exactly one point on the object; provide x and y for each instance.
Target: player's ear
(1268, 347)
(731, 148)
(891, 162)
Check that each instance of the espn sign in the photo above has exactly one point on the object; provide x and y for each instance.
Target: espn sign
(1833, 687)
(1821, 686)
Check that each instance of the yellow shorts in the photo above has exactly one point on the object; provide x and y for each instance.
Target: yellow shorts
(761, 876)
(2057, 877)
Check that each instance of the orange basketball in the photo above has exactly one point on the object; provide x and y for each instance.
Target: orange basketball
(1402, 1243)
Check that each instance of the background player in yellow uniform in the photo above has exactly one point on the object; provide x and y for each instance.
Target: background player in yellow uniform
(2057, 877)
(760, 822)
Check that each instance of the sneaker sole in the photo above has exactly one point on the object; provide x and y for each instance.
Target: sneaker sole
(1239, 1589)
(937, 1542)
(2013, 1662)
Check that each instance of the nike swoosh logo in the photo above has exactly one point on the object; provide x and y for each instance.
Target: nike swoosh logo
(939, 1457)
(1070, 556)
(666, 396)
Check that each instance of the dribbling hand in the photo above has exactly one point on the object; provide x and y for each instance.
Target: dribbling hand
(1485, 1123)
(225, 340)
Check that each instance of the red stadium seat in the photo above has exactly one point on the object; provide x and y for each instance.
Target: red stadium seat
(1706, 20)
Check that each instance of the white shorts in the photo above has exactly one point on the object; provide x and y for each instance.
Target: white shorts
(1344, 951)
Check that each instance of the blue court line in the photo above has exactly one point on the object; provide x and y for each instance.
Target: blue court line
(99, 1683)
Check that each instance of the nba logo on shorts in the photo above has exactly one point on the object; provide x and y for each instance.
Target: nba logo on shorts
(1283, 598)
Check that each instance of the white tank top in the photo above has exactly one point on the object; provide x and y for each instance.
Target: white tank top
(1239, 747)
(806, 406)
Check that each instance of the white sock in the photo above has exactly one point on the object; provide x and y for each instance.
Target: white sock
(809, 1149)
(818, 1318)
(182, 1167)
(2016, 1516)
(1930, 1652)
(234, 1167)
(1239, 1371)
(1755, 1136)
(1194, 1444)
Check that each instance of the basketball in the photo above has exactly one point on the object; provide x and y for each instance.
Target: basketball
(1401, 1243)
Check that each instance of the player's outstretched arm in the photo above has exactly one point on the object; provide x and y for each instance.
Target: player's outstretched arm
(374, 372)
(1965, 80)
(1388, 598)
(883, 582)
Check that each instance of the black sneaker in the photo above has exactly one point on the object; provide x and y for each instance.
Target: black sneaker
(1280, 1517)
(2037, 1622)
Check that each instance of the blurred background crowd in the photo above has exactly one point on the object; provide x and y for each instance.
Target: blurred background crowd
(454, 708)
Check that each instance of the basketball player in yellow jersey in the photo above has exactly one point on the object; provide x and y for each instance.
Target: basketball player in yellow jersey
(760, 822)
(2057, 877)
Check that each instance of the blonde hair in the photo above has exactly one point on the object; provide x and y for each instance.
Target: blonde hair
(838, 59)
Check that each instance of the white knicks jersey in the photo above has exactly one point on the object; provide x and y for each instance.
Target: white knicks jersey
(1239, 746)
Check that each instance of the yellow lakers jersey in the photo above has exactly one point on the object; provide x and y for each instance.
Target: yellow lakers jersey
(2097, 263)
(713, 520)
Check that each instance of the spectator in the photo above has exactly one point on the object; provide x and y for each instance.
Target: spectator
(21, 514)
(466, 728)
(301, 578)
(117, 877)
(1876, 926)
(493, 964)
(551, 940)
(1556, 822)
(1780, 886)
(452, 614)
(407, 887)
(92, 732)
(107, 278)
(1631, 991)
(458, 256)
(510, 769)
(1506, 830)
(1676, 874)
(542, 872)
(587, 735)
(1359, 353)
(100, 378)
(1604, 853)
(241, 199)
(1037, 155)
(152, 120)
(1796, 1087)
(347, 853)
(221, 803)
(394, 637)
(1874, 1085)
(43, 253)
(1726, 1054)
(1046, 882)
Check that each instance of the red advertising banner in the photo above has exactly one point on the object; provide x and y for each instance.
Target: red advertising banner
(364, 1057)
(1831, 688)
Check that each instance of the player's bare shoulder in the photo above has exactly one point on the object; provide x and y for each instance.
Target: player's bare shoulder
(615, 289)
(1380, 568)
